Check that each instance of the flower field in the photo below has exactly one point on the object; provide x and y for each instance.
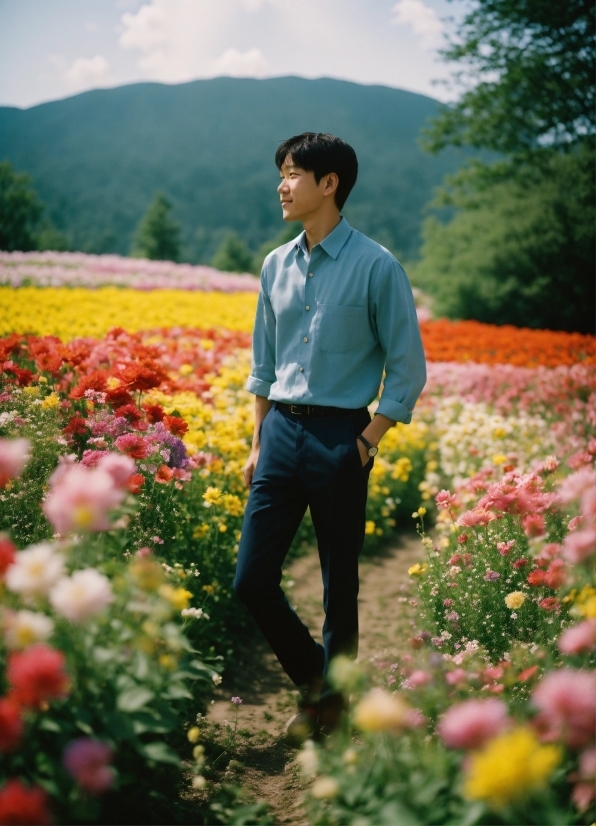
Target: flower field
(124, 425)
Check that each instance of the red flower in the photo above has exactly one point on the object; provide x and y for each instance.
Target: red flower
(519, 563)
(141, 377)
(23, 377)
(22, 806)
(133, 446)
(49, 362)
(119, 397)
(549, 603)
(76, 426)
(175, 425)
(136, 482)
(462, 538)
(554, 576)
(155, 412)
(96, 380)
(11, 725)
(37, 675)
(537, 577)
(130, 412)
(164, 474)
(7, 554)
(527, 674)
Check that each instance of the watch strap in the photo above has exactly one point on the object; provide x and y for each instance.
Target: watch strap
(368, 445)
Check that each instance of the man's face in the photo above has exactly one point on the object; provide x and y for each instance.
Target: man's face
(299, 193)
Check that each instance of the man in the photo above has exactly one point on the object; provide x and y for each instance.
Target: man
(335, 309)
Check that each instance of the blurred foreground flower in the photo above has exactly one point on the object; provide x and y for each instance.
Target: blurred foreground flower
(80, 499)
(14, 454)
(81, 595)
(20, 804)
(35, 570)
(37, 675)
(87, 761)
(380, 711)
(510, 767)
(567, 702)
(471, 724)
(25, 628)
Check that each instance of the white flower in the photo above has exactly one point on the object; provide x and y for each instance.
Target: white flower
(35, 570)
(324, 788)
(216, 678)
(308, 759)
(24, 628)
(195, 613)
(82, 595)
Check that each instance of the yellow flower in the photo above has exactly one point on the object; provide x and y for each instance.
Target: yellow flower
(223, 527)
(510, 767)
(498, 459)
(185, 369)
(418, 569)
(50, 401)
(232, 504)
(380, 711)
(167, 661)
(147, 574)
(324, 788)
(370, 527)
(193, 734)
(201, 530)
(212, 496)
(31, 390)
(177, 597)
(515, 600)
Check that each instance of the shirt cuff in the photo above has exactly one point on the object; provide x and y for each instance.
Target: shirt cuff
(394, 410)
(258, 386)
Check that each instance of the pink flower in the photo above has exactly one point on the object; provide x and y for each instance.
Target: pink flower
(470, 724)
(92, 457)
(576, 484)
(415, 718)
(479, 516)
(445, 499)
(504, 548)
(457, 676)
(80, 499)
(417, 679)
(86, 760)
(492, 576)
(579, 545)
(119, 467)
(583, 793)
(14, 454)
(135, 446)
(534, 524)
(579, 638)
(549, 604)
(567, 702)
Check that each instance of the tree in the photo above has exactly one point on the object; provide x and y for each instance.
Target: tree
(20, 210)
(233, 255)
(158, 235)
(518, 251)
(528, 66)
(520, 247)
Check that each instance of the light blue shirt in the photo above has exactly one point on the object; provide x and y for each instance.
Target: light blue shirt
(328, 323)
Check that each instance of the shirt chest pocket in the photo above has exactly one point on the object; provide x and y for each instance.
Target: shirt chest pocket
(342, 329)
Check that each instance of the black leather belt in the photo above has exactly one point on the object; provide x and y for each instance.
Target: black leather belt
(316, 410)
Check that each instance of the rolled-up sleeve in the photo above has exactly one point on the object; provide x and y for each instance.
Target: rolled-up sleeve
(262, 373)
(399, 336)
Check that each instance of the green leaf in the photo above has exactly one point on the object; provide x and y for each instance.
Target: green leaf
(134, 698)
(178, 691)
(160, 753)
(47, 724)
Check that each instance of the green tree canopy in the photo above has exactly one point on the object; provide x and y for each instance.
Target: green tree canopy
(518, 251)
(158, 235)
(20, 210)
(528, 66)
(233, 255)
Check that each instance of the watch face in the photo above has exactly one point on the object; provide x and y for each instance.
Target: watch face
(372, 451)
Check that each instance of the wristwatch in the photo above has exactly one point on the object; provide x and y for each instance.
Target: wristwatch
(370, 449)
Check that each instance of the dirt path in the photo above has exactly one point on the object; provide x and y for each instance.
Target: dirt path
(263, 760)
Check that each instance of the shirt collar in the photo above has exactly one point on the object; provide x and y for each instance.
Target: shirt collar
(332, 243)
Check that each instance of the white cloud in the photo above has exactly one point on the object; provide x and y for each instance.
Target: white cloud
(233, 63)
(422, 19)
(91, 26)
(88, 72)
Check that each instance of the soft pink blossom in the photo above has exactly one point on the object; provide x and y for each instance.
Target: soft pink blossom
(445, 499)
(470, 724)
(584, 790)
(119, 467)
(579, 545)
(457, 676)
(478, 516)
(87, 761)
(82, 595)
(81, 500)
(579, 638)
(504, 548)
(417, 679)
(14, 454)
(534, 524)
(567, 702)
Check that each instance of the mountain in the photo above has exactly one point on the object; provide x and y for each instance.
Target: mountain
(97, 158)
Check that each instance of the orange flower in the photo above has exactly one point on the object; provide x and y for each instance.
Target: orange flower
(164, 474)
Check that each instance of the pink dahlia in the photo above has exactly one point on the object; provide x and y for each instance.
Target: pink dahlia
(87, 761)
(470, 724)
(567, 703)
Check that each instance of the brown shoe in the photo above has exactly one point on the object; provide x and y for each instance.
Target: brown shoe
(303, 725)
(332, 708)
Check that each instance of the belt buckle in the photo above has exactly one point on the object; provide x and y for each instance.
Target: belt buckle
(294, 410)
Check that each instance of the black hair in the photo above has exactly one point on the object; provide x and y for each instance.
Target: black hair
(322, 153)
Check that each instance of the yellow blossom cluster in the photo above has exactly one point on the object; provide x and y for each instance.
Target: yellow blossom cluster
(78, 312)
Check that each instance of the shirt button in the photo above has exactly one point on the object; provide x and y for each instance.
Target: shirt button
(310, 275)
(305, 338)
(302, 369)
(307, 307)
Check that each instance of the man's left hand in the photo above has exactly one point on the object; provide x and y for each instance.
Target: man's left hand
(362, 450)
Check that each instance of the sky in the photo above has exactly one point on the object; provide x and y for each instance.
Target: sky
(52, 49)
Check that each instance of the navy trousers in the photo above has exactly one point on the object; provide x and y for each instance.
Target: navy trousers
(305, 461)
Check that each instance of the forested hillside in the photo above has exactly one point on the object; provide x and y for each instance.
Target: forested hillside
(97, 158)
